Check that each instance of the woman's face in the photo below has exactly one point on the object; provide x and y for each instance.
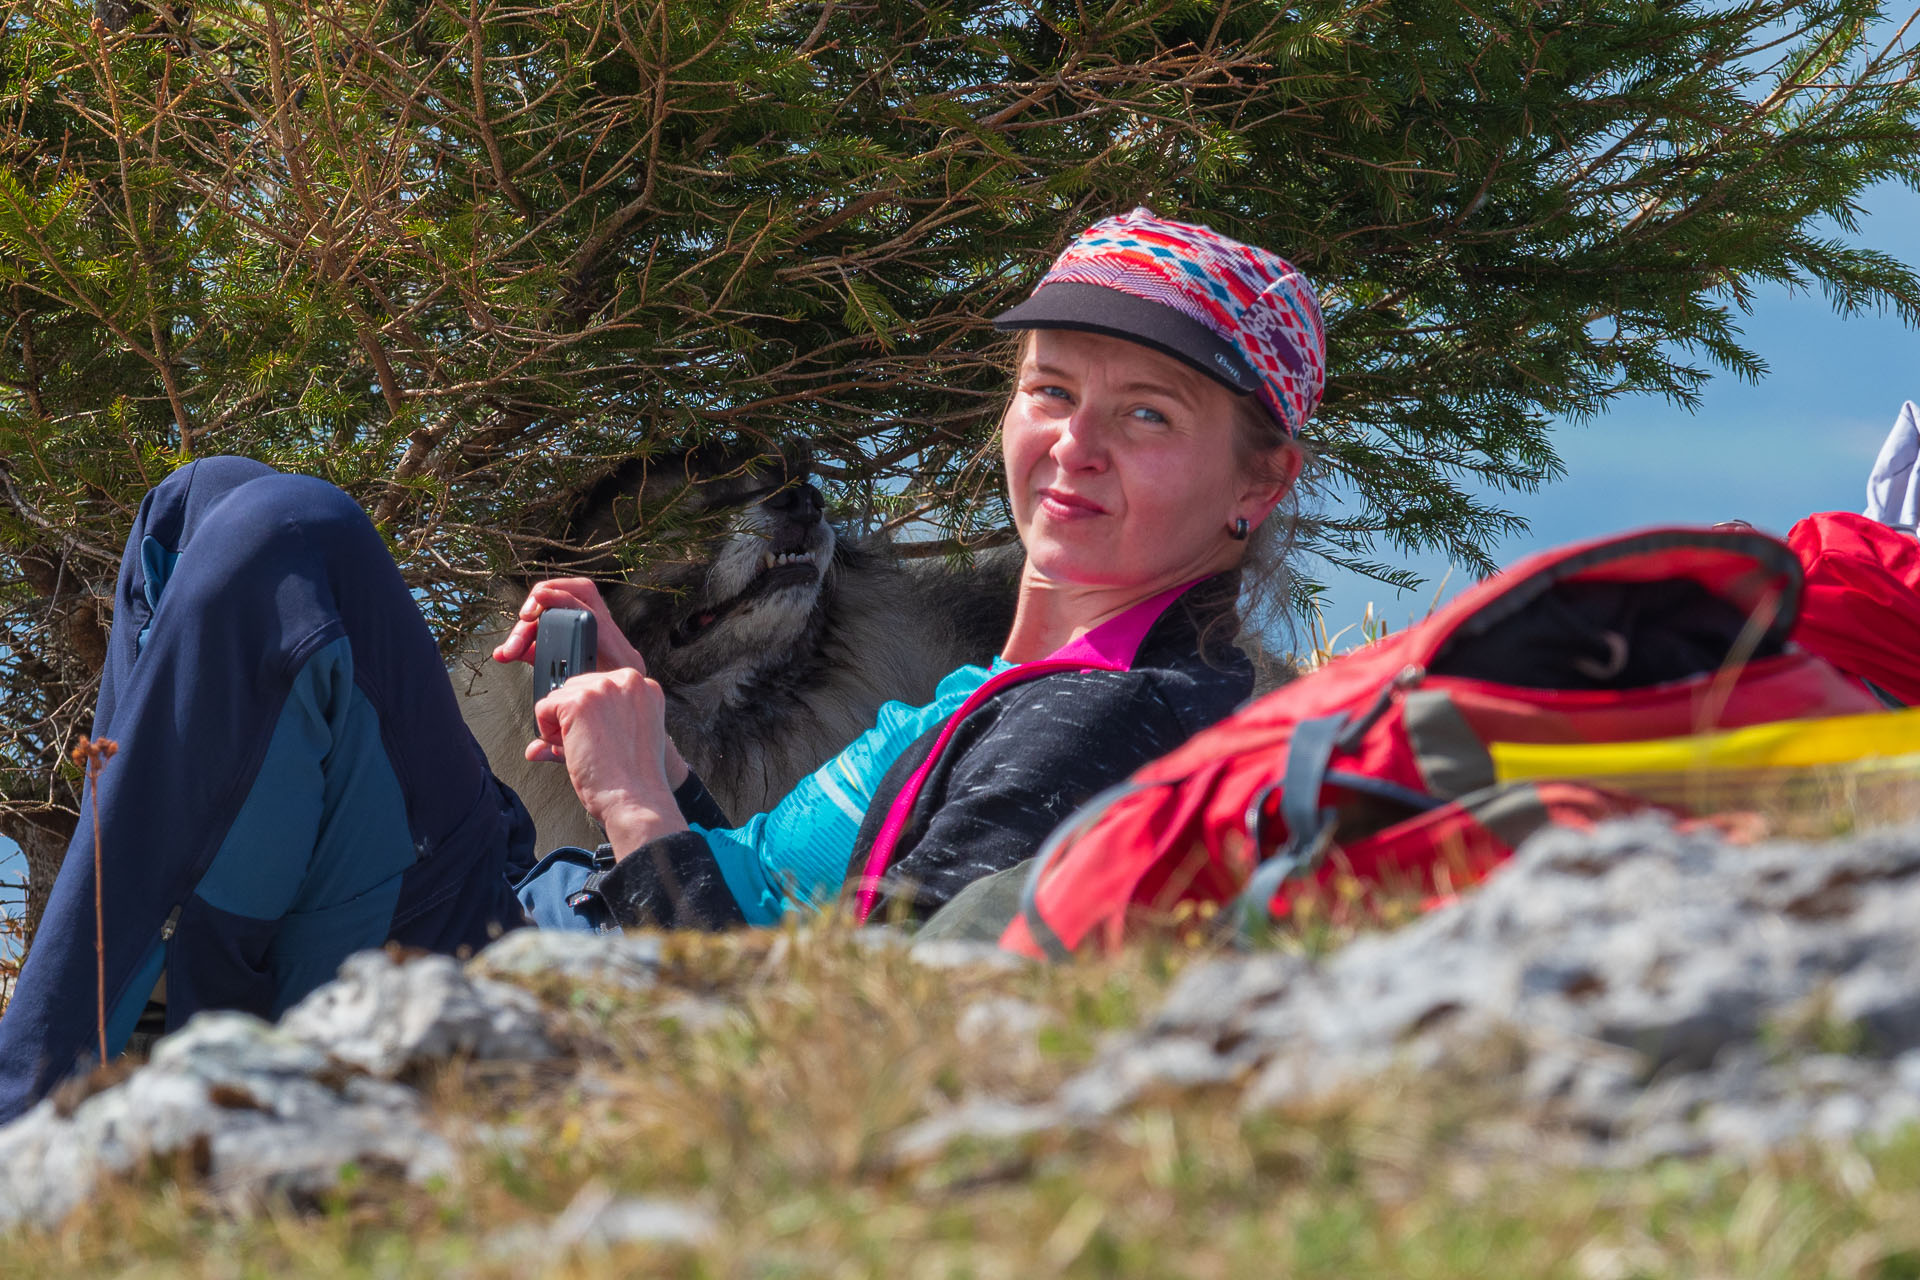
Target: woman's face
(1121, 465)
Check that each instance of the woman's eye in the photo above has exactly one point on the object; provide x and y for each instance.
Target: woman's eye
(1053, 392)
(1150, 415)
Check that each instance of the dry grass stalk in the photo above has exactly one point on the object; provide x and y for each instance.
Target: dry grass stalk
(92, 755)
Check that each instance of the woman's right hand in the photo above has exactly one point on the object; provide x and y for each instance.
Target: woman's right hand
(609, 729)
(615, 652)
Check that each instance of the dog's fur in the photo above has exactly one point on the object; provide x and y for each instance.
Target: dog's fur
(775, 638)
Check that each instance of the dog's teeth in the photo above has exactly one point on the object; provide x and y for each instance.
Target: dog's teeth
(770, 560)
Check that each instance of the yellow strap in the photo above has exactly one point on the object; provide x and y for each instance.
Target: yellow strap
(1781, 744)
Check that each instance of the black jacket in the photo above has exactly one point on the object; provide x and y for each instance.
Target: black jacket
(1015, 768)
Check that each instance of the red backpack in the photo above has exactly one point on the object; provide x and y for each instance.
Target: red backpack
(1379, 766)
(1861, 607)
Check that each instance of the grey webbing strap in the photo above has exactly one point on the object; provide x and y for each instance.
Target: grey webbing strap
(1251, 909)
(1887, 700)
(1381, 789)
(1308, 755)
(1309, 827)
(1063, 835)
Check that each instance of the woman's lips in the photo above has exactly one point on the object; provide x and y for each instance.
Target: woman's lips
(1069, 506)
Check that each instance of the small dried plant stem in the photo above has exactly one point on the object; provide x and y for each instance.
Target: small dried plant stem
(92, 755)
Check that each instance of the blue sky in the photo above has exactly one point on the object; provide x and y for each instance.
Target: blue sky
(1800, 440)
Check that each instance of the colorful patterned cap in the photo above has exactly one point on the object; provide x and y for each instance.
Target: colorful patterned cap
(1244, 317)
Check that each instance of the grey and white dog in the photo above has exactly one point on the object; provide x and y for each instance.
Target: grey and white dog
(775, 637)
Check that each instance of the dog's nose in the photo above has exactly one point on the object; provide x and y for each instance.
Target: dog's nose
(801, 502)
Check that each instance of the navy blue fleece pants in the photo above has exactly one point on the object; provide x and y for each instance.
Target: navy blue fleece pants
(294, 782)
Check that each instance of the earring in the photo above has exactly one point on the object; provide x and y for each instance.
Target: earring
(1239, 531)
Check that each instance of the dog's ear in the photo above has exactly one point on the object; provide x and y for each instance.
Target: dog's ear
(697, 489)
(738, 472)
(594, 514)
(796, 461)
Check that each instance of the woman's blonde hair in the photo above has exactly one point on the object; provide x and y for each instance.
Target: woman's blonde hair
(1262, 448)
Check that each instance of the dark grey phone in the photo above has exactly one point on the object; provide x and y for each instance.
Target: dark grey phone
(567, 644)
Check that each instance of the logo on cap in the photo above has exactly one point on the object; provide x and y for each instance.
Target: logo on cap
(1231, 368)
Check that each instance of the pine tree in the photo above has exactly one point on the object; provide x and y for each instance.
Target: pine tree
(459, 257)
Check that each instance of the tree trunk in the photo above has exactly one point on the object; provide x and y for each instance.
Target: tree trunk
(44, 842)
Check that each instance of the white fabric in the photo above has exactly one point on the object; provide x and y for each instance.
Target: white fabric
(1893, 487)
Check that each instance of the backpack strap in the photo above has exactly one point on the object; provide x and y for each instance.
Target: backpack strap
(1063, 835)
(1887, 700)
(1380, 788)
(1309, 826)
(880, 856)
(1111, 646)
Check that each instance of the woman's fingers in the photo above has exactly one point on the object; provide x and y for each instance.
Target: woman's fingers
(546, 722)
(615, 652)
(553, 593)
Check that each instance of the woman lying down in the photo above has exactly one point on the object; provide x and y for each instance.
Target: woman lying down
(295, 784)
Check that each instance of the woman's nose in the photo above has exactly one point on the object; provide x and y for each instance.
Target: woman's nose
(1081, 443)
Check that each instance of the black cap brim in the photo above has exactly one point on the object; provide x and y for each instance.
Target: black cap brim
(1094, 308)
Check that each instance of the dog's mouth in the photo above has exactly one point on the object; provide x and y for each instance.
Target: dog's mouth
(785, 569)
(782, 568)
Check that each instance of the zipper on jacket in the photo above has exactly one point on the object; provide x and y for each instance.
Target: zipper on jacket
(173, 921)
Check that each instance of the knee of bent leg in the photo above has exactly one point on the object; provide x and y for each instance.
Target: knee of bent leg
(288, 512)
(277, 523)
(322, 512)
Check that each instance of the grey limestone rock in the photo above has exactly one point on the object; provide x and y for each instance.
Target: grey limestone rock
(1652, 977)
(697, 1013)
(622, 960)
(597, 1220)
(979, 1119)
(256, 1109)
(959, 953)
(997, 1020)
(277, 1109)
(384, 1015)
